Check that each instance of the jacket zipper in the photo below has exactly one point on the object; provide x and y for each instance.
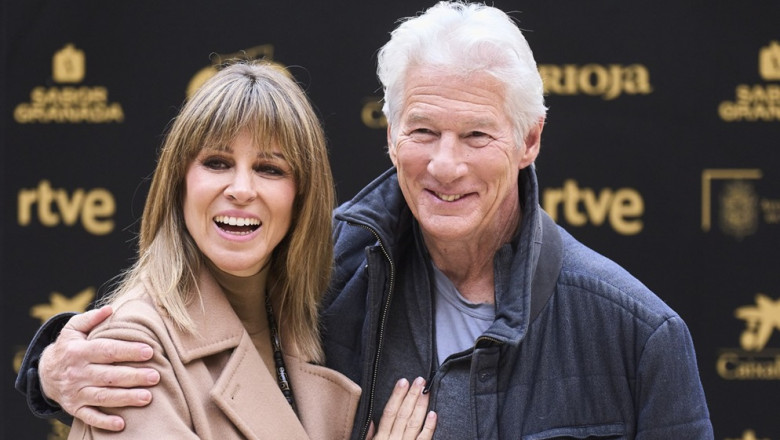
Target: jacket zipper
(382, 320)
(487, 338)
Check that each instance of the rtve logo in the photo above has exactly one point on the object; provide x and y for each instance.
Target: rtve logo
(53, 206)
(622, 208)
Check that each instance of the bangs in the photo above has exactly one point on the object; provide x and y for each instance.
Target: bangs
(268, 105)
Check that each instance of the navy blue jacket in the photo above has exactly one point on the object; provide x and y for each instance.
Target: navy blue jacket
(579, 348)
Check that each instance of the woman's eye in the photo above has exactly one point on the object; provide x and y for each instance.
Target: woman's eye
(271, 170)
(215, 163)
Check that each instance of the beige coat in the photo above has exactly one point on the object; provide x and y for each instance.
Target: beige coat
(214, 385)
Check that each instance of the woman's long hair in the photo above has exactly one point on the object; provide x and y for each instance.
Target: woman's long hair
(264, 101)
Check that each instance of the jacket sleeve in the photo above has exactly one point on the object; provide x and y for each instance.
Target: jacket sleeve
(167, 416)
(28, 382)
(670, 397)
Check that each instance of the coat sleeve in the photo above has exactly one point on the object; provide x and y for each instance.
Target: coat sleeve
(670, 397)
(28, 382)
(167, 416)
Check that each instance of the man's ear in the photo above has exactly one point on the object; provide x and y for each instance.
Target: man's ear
(532, 143)
(390, 146)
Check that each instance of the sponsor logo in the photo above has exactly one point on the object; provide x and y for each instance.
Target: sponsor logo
(754, 360)
(757, 102)
(729, 197)
(53, 206)
(622, 209)
(608, 81)
(69, 103)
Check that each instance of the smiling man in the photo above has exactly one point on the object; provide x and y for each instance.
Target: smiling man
(449, 269)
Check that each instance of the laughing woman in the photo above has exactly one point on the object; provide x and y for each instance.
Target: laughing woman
(234, 252)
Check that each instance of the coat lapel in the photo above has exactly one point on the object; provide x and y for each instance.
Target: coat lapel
(247, 393)
(326, 400)
(245, 390)
(249, 396)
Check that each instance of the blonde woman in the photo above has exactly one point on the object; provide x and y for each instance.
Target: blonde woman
(234, 253)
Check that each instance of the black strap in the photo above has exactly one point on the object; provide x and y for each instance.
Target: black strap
(281, 369)
(548, 267)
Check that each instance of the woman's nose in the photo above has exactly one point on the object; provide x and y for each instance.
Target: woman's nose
(241, 188)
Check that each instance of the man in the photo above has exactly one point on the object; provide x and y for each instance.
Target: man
(447, 268)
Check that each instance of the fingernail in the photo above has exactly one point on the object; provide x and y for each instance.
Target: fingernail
(402, 383)
(144, 396)
(153, 377)
(118, 425)
(147, 352)
(419, 381)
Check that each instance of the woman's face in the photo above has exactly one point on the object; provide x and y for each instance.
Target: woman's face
(238, 204)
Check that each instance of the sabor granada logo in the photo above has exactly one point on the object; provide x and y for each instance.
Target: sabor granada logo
(69, 104)
(729, 197)
(757, 102)
(753, 360)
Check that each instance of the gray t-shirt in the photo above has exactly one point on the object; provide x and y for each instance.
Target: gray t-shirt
(459, 322)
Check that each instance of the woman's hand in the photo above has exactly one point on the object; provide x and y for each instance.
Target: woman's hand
(406, 414)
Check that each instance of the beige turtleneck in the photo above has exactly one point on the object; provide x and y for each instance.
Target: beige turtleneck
(247, 296)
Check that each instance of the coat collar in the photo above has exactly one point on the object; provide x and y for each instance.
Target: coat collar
(217, 328)
(532, 261)
(246, 392)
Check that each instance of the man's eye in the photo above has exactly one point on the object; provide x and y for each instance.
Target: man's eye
(422, 134)
(478, 139)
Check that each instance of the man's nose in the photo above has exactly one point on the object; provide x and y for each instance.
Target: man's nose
(447, 163)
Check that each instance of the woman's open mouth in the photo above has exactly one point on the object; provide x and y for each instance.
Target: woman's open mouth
(237, 225)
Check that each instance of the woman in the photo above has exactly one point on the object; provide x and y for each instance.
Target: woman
(234, 251)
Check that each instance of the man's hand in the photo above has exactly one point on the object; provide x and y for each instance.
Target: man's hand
(404, 416)
(79, 375)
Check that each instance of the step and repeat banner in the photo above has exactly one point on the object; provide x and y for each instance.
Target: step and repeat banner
(661, 150)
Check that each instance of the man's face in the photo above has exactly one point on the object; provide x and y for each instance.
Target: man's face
(456, 156)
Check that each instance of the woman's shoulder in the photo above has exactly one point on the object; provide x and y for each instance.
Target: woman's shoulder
(134, 317)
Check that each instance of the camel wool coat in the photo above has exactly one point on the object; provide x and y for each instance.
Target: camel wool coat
(213, 383)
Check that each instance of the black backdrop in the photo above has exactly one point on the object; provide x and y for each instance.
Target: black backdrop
(660, 151)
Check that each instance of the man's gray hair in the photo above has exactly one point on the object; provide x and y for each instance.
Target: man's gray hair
(464, 38)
